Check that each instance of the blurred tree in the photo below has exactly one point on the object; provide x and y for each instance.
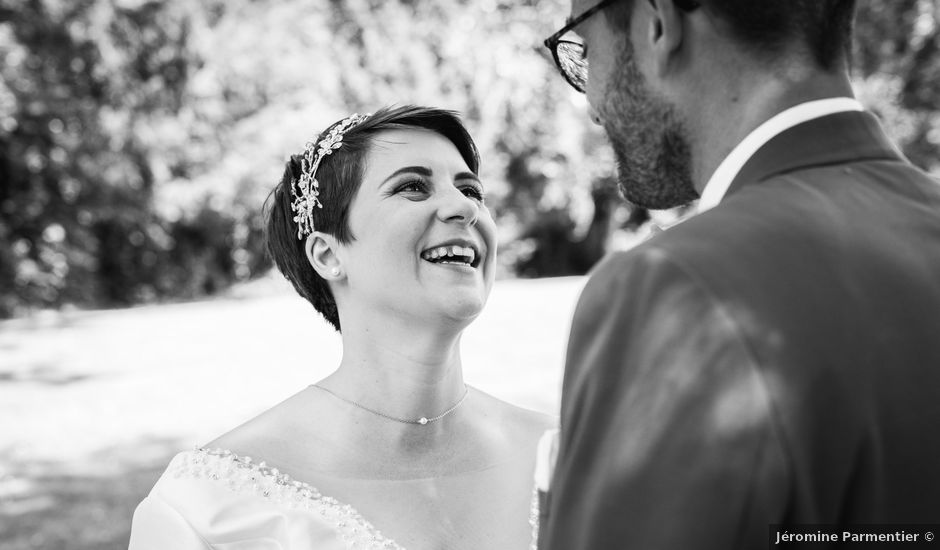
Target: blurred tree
(139, 138)
(89, 88)
(897, 69)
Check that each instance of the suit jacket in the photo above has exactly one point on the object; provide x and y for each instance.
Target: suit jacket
(775, 360)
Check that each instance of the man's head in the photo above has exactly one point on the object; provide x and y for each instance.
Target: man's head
(654, 64)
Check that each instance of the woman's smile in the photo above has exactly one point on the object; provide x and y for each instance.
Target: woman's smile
(459, 253)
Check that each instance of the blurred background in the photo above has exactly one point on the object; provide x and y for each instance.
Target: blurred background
(138, 141)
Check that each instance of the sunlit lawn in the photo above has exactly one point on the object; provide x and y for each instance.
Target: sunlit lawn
(93, 404)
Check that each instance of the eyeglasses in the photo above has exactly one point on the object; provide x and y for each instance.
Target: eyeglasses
(569, 56)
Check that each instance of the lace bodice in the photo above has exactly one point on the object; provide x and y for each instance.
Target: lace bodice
(243, 488)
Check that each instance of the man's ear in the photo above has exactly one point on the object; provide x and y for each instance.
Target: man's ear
(665, 34)
(321, 249)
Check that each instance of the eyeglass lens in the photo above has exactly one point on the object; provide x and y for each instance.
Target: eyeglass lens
(573, 63)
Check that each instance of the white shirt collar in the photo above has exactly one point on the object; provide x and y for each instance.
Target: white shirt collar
(718, 184)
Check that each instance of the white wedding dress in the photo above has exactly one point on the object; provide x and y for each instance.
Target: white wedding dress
(216, 499)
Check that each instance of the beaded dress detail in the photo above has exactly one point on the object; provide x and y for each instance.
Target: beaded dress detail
(244, 477)
(241, 474)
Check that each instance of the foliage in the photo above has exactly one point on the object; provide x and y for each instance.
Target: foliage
(897, 62)
(139, 138)
(90, 129)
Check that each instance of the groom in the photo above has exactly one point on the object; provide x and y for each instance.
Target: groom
(776, 358)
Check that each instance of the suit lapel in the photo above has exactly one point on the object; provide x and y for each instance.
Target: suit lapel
(832, 139)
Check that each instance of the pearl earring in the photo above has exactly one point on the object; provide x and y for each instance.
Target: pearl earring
(334, 271)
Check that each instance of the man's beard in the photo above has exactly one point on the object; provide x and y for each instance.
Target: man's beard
(653, 160)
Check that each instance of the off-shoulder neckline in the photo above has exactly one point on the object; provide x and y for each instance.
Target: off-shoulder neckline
(270, 483)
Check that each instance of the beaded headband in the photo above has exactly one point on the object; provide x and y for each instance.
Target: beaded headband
(306, 191)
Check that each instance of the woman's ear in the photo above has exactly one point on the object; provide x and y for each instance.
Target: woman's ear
(321, 249)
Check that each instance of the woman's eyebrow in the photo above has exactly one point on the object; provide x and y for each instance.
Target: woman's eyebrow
(427, 172)
(467, 176)
(420, 170)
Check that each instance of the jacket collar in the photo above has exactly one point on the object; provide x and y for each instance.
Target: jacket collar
(831, 139)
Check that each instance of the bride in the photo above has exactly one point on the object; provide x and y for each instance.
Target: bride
(381, 224)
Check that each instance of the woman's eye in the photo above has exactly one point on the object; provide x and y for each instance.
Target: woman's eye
(412, 186)
(474, 193)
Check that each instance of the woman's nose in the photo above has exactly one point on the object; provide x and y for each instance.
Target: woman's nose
(456, 207)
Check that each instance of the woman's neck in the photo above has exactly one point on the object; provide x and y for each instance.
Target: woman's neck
(401, 369)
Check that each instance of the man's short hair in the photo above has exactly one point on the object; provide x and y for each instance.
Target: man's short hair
(771, 27)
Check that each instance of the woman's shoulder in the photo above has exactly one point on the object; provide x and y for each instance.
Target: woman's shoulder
(272, 434)
(217, 478)
(211, 479)
(248, 439)
(212, 495)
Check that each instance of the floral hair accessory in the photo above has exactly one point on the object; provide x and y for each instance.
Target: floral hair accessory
(306, 191)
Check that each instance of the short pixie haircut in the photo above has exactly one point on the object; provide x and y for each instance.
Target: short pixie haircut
(340, 176)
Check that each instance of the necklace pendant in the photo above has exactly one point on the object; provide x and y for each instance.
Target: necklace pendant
(422, 421)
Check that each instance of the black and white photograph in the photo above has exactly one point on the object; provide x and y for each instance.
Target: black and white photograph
(469, 275)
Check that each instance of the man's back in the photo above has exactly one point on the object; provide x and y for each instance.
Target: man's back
(834, 274)
(774, 360)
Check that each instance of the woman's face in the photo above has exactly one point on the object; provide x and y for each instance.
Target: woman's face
(424, 242)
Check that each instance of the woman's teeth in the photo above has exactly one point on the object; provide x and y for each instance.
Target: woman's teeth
(450, 254)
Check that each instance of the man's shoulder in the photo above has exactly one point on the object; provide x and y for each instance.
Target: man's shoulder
(635, 279)
(719, 252)
(786, 236)
(683, 252)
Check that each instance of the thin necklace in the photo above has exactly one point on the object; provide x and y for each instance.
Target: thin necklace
(421, 421)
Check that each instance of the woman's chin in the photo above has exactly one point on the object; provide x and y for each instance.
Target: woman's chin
(462, 309)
